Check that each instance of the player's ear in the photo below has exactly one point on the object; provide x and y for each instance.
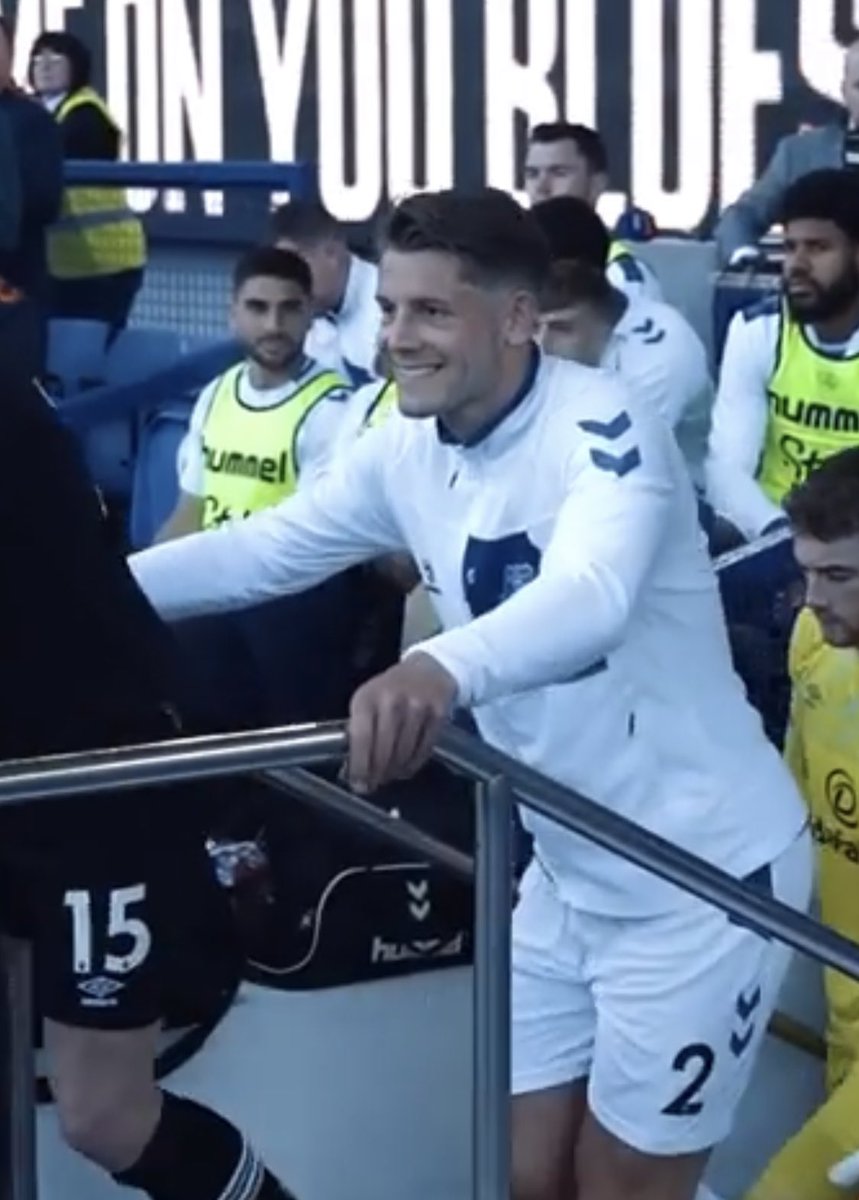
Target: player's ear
(234, 313)
(522, 319)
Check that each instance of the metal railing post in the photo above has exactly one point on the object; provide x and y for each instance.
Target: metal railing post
(18, 1082)
(493, 901)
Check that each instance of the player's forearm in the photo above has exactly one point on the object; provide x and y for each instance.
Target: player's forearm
(208, 573)
(551, 632)
(285, 549)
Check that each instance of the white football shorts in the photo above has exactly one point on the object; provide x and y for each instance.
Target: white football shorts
(663, 1016)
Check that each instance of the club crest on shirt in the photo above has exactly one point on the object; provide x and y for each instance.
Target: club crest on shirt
(492, 571)
(515, 576)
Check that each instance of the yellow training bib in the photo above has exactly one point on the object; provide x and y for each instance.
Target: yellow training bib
(813, 410)
(382, 407)
(249, 454)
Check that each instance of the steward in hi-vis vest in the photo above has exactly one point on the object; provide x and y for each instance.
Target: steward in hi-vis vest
(96, 250)
(97, 233)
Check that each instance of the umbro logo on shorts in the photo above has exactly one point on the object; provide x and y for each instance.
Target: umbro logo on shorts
(100, 992)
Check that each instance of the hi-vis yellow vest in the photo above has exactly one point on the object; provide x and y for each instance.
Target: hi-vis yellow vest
(97, 233)
(382, 407)
(813, 410)
(249, 454)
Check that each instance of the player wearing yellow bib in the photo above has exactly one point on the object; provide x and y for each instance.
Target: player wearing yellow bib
(823, 751)
(789, 389)
(271, 421)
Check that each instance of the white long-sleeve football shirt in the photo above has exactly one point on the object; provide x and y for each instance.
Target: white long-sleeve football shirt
(346, 341)
(634, 277)
(581, 616)
(663, 361)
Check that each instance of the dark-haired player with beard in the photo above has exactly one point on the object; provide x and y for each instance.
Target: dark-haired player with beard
(789, 389)
(270, 420)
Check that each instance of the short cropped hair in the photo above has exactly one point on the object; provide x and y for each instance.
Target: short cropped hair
(495, 240)
(826, 505)
(588, 142)
(572, 283)
(575, 233)
(304, 222)
(267, 262)
(829, 195)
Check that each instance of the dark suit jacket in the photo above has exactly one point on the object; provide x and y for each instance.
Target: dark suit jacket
(40, 167)
(746, 221)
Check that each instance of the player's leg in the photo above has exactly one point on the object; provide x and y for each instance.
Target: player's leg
(546, 1125)
(115, 928)
(552, 1041)
(683, 1003)
(103, 1085)
(112, 1111)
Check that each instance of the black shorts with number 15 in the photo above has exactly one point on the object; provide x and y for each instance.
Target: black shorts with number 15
(127, 920)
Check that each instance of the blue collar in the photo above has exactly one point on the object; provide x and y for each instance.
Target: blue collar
(522, 393)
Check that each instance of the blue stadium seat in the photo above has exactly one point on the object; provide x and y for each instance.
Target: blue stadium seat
(137, 353)
(111, 444)
(76, 356)
(192, 343)
(156, 486)
(78, 362)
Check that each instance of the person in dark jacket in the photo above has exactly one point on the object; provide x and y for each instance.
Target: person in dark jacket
(31, 170)
(114, 889)
(97, 251)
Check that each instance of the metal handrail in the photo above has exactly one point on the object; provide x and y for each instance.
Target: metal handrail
(498, 780)
(302, 745)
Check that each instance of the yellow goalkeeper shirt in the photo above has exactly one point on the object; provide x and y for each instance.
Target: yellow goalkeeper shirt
(823, 752)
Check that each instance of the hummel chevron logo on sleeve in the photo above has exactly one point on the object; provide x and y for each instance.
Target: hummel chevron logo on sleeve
(649, 334)
(618, 464)
(611, 430)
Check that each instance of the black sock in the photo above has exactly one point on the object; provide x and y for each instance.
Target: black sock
(195, 1154)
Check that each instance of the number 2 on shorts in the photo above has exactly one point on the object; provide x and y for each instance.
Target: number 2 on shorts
(687, 1103)
(120, 924)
